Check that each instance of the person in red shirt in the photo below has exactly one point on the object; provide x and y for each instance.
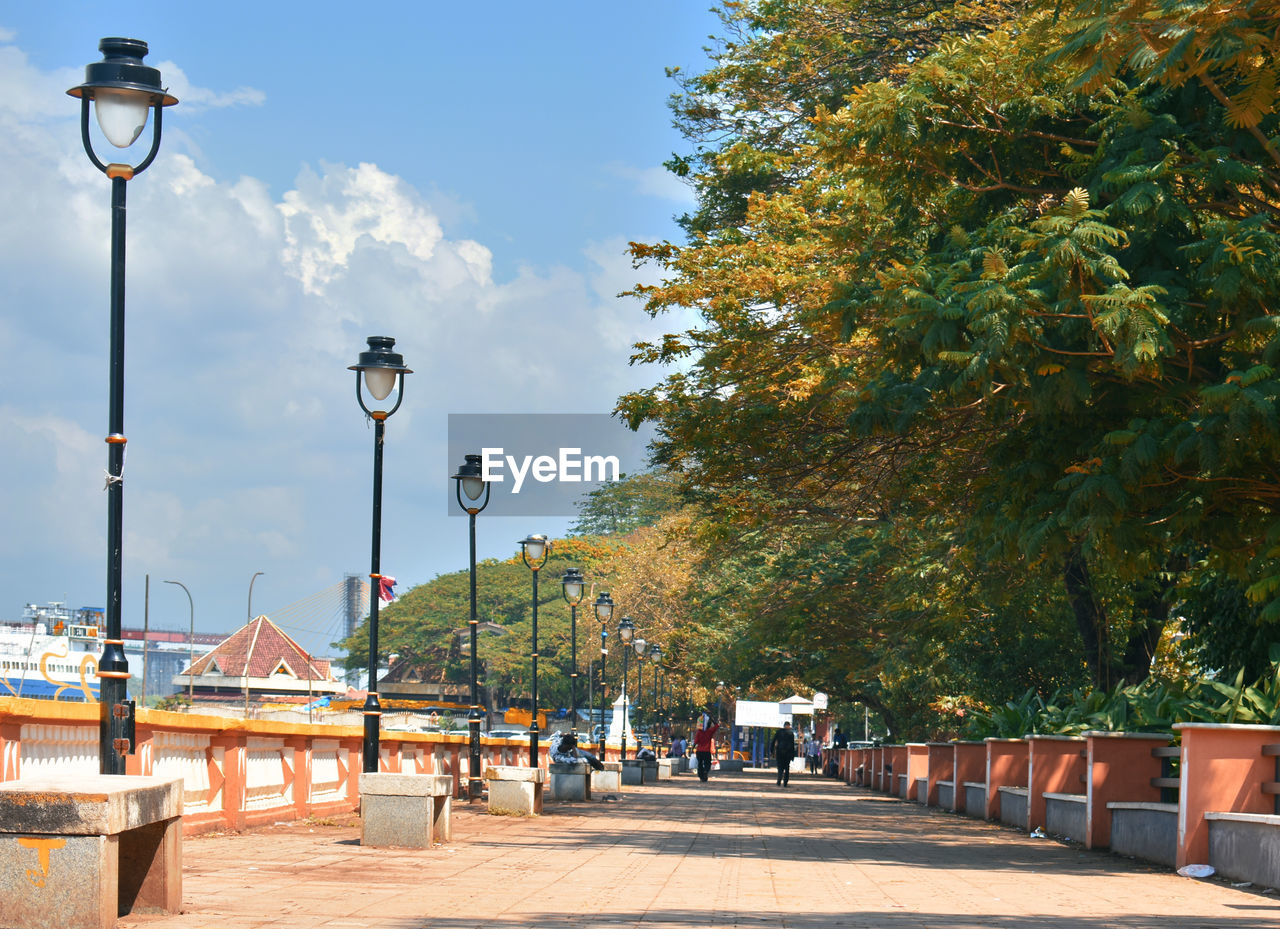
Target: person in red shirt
(702, 737)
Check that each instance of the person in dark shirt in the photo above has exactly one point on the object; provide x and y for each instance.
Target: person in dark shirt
(783, 748)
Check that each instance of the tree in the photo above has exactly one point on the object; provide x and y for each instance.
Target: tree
(633, 501)
(976, 280)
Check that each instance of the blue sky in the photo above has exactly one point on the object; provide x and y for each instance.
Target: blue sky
(462, 177)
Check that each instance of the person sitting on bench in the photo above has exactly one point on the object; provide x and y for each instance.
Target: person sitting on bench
(566, 751)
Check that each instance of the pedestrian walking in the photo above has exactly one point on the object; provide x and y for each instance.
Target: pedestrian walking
(702, 742)
(783, 748)
(813, 754)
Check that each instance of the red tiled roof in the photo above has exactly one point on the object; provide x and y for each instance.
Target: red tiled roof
(261, 645)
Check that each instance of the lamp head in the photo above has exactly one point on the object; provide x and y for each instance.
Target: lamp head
(470, 477)
(122, 89)
(380, 365)
(571, 586)
(639, 646)
(604, 607)
(534, 550)
(626, 629)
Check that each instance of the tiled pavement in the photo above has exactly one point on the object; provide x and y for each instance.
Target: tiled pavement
(735, 852)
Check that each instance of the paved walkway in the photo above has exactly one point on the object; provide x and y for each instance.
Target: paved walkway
(736, 852)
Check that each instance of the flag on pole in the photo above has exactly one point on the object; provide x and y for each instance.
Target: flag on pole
(387, 588)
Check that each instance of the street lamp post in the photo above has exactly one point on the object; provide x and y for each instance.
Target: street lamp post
(191, 642)
(571, 586)
(655, 655)
(639, 646)
(534, 551)
(123, 90)
(383, 370)
(470, 481)
(249, 609)
(626, 631)
(604, 611)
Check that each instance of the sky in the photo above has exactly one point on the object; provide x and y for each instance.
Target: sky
(462, 177)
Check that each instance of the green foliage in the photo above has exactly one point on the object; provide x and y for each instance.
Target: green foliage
(1152, 706)
(986, 294)
(427, 627)
(621, 506)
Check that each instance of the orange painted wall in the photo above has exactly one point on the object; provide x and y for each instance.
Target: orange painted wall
(941, 765)
(1223, 770)
(1120, 768)
(970, 766)
(1055, 764)
(1006, 767)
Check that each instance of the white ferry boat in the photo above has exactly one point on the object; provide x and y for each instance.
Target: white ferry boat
(52, 654)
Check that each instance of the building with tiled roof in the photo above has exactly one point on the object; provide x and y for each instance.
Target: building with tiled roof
(259, 661)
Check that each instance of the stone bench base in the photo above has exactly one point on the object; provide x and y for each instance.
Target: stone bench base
(515, 791)
(633, 771)
(608, 781)
(406, 810)
(79, 852)
(570, 781)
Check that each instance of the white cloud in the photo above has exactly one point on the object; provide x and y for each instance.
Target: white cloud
(326, 217)
(192, 97)
(654, 182)
(247, 450)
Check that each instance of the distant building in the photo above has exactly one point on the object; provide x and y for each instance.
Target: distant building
(259, 662)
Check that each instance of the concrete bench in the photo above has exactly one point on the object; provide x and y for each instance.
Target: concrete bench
(515, 791)
(633, 771)
(1145, 830)
(608, 781)
(1245, 846)
(666, 770)
(570, 781)
(77, 852)
(1065, 815)
(1013, 806)
(406, 810)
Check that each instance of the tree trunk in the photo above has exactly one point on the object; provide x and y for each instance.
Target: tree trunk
(1091, 618)
(1152, 612)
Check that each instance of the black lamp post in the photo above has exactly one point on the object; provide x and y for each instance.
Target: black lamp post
(534, 551)
(470, 481)
(639, 645)
(383, 370)
(571, 586)
(655, 655)
(626, 631)
(604, 611)
(122, 89)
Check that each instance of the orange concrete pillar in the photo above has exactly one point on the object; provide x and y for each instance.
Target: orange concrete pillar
(139, 761)
(234, 775)
(895, 766)
(1223, 770)
(1006, 767)
(917, 767)
(300, 746)
(1055, 764)
(1120, 769)
(940, 765)
(970, 766)
(10, 750)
